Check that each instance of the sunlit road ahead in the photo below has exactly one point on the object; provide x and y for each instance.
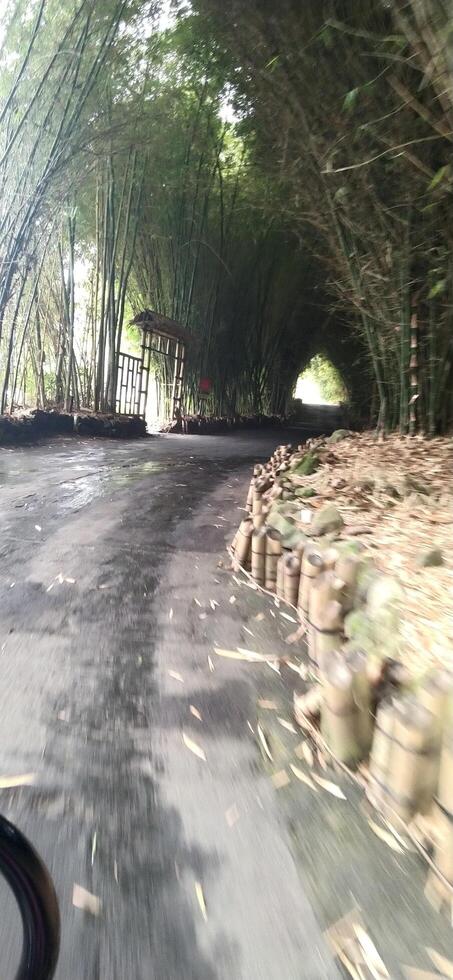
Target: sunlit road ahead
(104, 548)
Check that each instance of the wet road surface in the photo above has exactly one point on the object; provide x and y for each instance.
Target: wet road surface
(109, 560)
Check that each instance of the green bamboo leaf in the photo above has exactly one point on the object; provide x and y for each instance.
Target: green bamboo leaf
(437, 289)
(272, 63)
(350, 98)
(442, 174)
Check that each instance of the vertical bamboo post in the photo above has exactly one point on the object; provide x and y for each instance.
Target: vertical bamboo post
(357, 663)
(244, 536)
(347, 568)
(436, 694)
(325, 621)
(338, 712)
(408, 766)
(273, 552)
(381, 750)
(312, 565)
(259, 555)
(249, 502)
(291, 576)
(437, 892)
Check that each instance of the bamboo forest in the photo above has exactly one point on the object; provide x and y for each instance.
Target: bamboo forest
(226, 489)
(279, 185)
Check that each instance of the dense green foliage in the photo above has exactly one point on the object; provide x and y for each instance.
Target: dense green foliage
(274, 177)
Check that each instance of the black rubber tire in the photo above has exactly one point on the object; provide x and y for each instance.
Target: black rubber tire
(33, 889)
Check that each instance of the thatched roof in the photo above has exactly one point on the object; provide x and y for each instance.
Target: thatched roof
(150, 320)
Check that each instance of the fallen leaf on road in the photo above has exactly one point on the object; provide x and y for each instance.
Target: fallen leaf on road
(329, 787)
(196, 749)
(304, 778)
(280, 779)
(176, 676)
(82, 899)
(268, 705)
(264, 742)
(195, 712)
(440, 962)
(303, 751)
(287, 724)
(386, 836)
(372, 959)
(9, 782)
(232, 815)
(413, 974)
(289, 618)
(201, 901)
(38, 527)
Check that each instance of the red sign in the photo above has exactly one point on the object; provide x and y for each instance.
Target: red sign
(205, 386)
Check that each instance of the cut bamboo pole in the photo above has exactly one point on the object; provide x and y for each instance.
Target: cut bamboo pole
(347, 568)
(381, 751)
(437, 892)
(280, 584)
(325, 622)
(273, 552)
(357, 663)
(338, 712)
(249, 502)
(408, 770)
(291, 576)
(312, 566)
(244, 536)
(259, 555)
(234, 542)
(436, 694)
(258, 520)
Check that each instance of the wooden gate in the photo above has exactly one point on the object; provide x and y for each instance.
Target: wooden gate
(162, 337)
(130, 390)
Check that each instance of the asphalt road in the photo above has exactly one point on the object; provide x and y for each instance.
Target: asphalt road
(109, 562)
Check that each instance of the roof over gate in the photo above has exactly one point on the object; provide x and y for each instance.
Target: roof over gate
(149, 320)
